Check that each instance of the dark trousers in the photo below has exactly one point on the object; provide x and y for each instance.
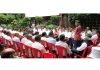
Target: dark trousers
(74, 51)
(77, 43)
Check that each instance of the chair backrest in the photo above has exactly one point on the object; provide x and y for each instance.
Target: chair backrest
(15, 45)
(61, 52)
(49, 55)
(21, 48)
(33, 40)
(36, 53)
(28, 51)
(8, 43)
(1, 40)
(89, 49)
(20, 37)
(5, 41)
(44, 43)
(94, 42)
(86, 51)
(50, 47)
(12, 35)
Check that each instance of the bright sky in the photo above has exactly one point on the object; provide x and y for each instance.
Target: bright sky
(48, 7)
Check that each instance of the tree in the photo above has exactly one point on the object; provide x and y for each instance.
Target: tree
(39, 20)
(14, 20)
(55, 19)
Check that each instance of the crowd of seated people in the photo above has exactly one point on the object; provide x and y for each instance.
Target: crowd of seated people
(74, 40)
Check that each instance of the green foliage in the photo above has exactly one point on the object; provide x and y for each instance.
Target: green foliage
(80, 17)
(50, 26)
(39, 19)
(22, 22)
(14, 20)
(54, 20)
(49, 22)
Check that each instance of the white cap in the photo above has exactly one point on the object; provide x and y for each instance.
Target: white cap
(95, 53)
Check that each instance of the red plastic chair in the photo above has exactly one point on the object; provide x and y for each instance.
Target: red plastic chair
(1, 40)
(33, 40)
(36, 53)
(21, 48)
(94, 42)
(89, 48)
(50, 47)
(44, 43)
(12, 35)
(16, 47)
(49, 55)
(9, 43)
(61, 52)
(21, 37)
(85, 52)
(5, 41)
(28, 51)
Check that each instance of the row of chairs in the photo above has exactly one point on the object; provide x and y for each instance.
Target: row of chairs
(59, 51)
(62, 52)
(29, 52)
(25, 51)
(85, 53)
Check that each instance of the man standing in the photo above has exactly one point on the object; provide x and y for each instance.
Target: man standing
(77, 34)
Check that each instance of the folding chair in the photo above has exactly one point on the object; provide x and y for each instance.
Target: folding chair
(61, 52)
(49, 55)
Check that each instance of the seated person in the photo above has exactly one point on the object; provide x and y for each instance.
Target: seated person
(86, 42)
(62, 43)
(37, 44)
(35, 34)
(95, 36)
(57, 38)
(28, 41)
(16, 37)
(24, 39)
(95, 53)
(51, 39)
(44, 36)
(8, 37)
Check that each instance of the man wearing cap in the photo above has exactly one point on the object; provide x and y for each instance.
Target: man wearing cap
(87, 42)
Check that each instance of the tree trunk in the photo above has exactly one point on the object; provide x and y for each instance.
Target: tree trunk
(61, 23)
